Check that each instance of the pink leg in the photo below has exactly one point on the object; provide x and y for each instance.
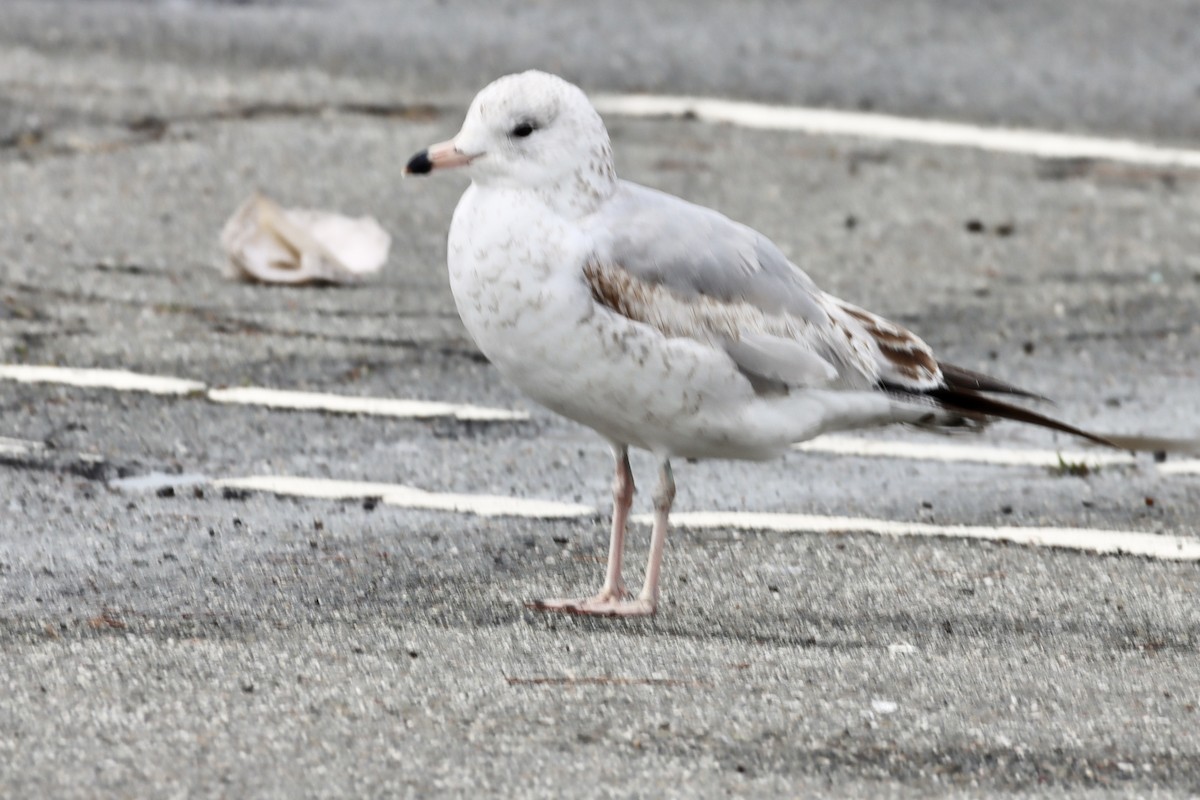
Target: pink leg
(664, 497)
(612, 600)
(613, 592)
(622, 501)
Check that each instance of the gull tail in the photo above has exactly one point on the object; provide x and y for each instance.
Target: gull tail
(964, 394)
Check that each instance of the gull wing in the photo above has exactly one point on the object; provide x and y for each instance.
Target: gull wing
(691, 271)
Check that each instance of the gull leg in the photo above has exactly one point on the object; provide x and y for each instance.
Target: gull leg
(623, 490)
(612, 599)
(664, 497)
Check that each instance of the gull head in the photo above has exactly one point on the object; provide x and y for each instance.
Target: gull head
(529, 130)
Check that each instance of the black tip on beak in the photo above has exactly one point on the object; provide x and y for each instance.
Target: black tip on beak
(419, 164)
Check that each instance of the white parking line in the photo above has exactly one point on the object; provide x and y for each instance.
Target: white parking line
(123, 381)
(828, 122)
(928, 451)
(18, 447)
(154, 481)
(424, 409)
(117, 379)
(374, 406)
(1187, 467)
(408, 497)
(1092, 540)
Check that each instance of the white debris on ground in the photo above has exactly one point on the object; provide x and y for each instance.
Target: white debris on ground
(265, 242)
(884, 706)
(901, 649)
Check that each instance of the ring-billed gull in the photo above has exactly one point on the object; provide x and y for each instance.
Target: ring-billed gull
(661, 324)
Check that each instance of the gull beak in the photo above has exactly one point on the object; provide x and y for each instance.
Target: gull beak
(443, 155)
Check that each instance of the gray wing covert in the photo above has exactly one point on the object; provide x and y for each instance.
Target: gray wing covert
(691, 271)
(695, 250)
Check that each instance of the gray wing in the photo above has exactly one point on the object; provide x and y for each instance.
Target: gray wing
(691, 249)
(691, 271)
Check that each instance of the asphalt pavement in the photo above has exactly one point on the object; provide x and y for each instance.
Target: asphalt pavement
(200, 642)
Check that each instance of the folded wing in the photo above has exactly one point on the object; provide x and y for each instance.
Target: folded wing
(689, 271)
(692, 272)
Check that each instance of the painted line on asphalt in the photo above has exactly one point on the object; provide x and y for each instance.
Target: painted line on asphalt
(1186, 467)
(827, 122)
(1091, 540)
(117, 379)
(121, 380)
(372, 406)
(155, 481)
(962, 453)
(19, 447)
(408, 497)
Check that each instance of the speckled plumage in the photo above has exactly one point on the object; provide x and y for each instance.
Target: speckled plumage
(656, 366)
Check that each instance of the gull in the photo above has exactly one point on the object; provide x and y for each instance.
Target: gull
(661, 324)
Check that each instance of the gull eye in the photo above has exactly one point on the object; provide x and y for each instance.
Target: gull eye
(523, 129)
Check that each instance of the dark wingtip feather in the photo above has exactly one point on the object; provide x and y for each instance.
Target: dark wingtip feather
(962, 378)
(968, 402)
(961, 393)
(972, 405)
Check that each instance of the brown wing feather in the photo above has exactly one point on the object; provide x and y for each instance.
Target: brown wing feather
(904, 357)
